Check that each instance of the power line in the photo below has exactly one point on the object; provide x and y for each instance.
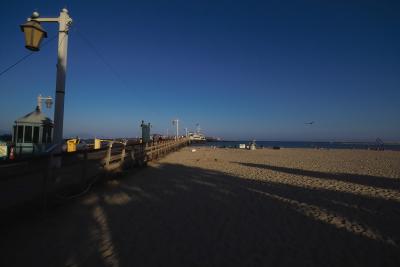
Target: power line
(26, 56)
(101, 57)
(87, 41)
(16, 63)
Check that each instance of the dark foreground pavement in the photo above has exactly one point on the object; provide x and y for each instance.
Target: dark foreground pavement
(172, 215)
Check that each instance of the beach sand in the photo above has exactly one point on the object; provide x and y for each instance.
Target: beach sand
(226, 207)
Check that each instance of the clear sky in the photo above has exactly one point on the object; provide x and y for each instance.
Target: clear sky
(242, 69)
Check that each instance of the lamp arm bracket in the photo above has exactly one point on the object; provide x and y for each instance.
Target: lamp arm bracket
(45, 19)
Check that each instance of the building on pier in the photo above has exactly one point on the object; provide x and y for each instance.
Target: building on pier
(32, 133)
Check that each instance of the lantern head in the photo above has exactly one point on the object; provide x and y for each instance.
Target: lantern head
(48, 102)
(34, 34)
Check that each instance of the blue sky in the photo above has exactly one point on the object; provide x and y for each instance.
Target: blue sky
(242, 69)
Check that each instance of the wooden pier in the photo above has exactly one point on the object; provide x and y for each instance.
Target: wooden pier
(38, 179)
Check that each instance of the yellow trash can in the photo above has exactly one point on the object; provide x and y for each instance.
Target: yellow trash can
(71, 145)
(97, 143)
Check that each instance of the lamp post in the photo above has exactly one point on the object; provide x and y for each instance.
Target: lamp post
(34, 35)
(48, 101)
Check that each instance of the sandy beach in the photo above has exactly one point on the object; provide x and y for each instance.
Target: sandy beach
(226, 207)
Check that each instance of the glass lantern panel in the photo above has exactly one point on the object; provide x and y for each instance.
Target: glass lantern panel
(28, 36)
(37, 38)
(48, 103)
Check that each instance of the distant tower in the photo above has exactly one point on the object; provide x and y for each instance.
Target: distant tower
(145, 131)
(176, 123)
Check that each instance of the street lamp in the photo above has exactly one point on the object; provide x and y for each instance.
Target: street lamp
(34, 34)
(47, 100)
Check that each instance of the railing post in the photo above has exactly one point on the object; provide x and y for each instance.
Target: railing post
(149, 152)
(123, 153)
(133, 157)
(141, 154)
(108, 157)
(144, 153)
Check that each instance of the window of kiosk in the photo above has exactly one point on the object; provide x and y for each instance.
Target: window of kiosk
(35, 135)
(28, 134)
(20, 134)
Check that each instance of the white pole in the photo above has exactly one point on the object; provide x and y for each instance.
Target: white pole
(39, 102)
(64, 22)
(177, 129)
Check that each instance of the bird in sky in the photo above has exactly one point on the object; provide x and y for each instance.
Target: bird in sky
(310, 123)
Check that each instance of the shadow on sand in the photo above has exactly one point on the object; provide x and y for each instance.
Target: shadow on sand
(369, 180)
(173, 215)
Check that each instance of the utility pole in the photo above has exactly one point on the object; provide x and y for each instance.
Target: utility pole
(177, 128)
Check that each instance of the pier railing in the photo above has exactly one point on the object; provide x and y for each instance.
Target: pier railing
(40, 178)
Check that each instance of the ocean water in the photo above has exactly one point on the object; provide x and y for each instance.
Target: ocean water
(295, 144)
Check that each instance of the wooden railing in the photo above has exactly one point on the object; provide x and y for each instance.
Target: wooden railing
(139, 154)
(39, 177)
